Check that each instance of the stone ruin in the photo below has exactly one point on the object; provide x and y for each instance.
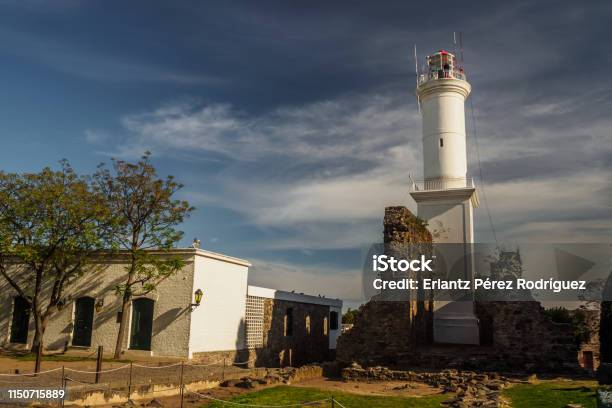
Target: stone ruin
(516, 336)
(385, 331)
(470, 389)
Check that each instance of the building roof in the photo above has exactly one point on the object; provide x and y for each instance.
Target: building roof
(187, 252)
(292, 296)
(219, 257)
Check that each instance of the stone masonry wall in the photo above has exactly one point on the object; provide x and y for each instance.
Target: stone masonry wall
(171, 316)
(386, 331)
(590, 345)
(524, 338)
(308, 343)
(516, 335)
(304, 345)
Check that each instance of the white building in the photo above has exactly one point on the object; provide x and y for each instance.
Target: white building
(233, 320)
(446, 197)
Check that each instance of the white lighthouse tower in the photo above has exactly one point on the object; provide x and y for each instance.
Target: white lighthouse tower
(446, 196)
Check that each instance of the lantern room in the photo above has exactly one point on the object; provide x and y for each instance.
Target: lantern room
(442, 65)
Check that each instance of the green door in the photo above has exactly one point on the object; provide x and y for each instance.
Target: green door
(83, 321)
(21, 320)
(142, 324)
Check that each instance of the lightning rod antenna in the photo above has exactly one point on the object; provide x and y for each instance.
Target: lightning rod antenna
(416, 69)
(461, 47)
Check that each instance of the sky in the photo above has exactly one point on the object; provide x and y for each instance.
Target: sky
(293, 124)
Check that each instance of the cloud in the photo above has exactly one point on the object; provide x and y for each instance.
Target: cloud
(95, 136)
(323, 172)
(331, 281)
(319, 171)
(362, 128)
(305, 168)
(574, 208)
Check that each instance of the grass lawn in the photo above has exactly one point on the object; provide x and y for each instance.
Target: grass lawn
(553, 394)
(284, 394)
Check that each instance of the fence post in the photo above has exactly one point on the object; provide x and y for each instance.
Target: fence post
(223, 372)
(333, 402)
(99, 363)
(182, 386)
(63, 388)
(130, 382)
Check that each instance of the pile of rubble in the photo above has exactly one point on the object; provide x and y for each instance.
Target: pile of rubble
(471, 389)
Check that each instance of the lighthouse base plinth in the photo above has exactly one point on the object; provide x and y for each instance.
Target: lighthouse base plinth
(455, 323)
(456, 329)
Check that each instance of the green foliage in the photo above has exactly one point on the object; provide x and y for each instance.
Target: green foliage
(146, 215)
(285, 395)
(576, 318)
(50, 223)
(350, 316)
(553, 394)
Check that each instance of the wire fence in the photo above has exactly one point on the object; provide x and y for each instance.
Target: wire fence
(130, 380)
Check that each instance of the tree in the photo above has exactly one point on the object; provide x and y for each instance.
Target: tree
(50, 224)
(350, 316)
(146, 216)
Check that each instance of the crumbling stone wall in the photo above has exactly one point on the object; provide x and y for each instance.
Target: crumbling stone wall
(524, 338)
(386, 331)
(589, 349)
(516, 335)
(304, 343)
(282, 348)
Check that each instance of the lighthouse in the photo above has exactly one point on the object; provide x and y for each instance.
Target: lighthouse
(446, 196)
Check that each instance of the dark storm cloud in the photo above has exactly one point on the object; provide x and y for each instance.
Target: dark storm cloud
(307, 110)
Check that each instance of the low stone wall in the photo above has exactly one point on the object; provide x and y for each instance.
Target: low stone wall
(271, 357)
(242, 358)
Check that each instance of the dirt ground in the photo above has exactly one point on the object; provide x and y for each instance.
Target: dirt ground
(190, 400)
(9, 365)
(156, 371)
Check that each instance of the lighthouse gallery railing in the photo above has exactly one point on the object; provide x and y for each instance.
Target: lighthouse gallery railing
(441, 184)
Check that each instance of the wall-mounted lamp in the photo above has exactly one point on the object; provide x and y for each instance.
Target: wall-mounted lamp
(198, 294)
(99, 305)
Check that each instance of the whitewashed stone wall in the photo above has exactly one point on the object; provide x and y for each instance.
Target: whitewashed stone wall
(171, 316)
